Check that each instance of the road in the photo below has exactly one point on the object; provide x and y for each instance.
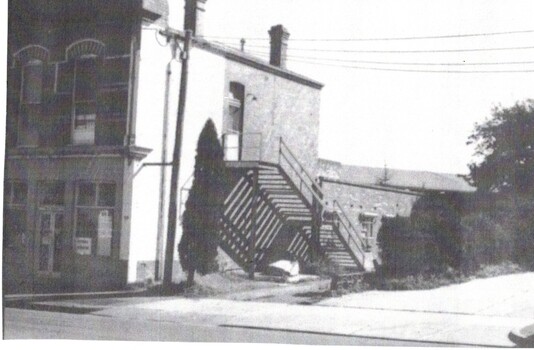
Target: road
(32, 324)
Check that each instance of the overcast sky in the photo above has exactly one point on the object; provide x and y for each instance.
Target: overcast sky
(409, 120)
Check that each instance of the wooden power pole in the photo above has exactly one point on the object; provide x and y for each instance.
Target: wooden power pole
(173, 197)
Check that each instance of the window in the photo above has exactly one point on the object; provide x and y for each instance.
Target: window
(32, 86)
(85, 85)
(30, 103)
(14, 223)
(236, 100)
(53, 194)
(233, 141)
(95, 206)
(367, 220)
(15, 193)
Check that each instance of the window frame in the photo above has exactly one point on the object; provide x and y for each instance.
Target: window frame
(95, 207)
(90, 126)
(25, 106)
(11, 205)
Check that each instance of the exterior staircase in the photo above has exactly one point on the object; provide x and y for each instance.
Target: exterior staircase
(266, 211)
(276, 211)
(342, 242)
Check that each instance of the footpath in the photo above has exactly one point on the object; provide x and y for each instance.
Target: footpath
(479, 313)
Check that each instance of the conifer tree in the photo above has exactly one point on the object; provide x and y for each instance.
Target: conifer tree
(203, 208)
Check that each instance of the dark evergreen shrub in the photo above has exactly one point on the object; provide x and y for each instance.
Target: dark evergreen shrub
(405, 251)
(439, 215)
(203, 208)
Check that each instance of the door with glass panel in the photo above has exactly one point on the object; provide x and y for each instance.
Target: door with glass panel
(233, 142)
(50, 238)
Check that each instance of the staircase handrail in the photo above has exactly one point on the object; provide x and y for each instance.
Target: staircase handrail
(256, 146)
(349, 227)
(313, 188)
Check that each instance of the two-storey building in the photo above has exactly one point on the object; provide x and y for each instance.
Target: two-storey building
(93, 87)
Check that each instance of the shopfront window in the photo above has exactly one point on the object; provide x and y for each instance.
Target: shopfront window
(14, 222)
(95, 207)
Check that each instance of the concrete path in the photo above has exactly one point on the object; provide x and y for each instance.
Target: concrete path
(508, 296)
(480, 312)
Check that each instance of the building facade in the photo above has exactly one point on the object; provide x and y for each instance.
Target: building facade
(91, 116)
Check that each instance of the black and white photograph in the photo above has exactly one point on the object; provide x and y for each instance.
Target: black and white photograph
(268, 173)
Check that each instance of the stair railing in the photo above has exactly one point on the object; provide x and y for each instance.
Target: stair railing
(349, 230)
(240, 146)
(303, 181)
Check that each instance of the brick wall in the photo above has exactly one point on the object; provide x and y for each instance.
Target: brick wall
(357, 200)
(279, 107)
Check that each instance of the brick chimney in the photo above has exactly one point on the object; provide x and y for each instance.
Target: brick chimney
(279, 37)
(194, 16)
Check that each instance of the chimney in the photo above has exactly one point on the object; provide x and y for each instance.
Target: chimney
(279, 37)
(194, 15)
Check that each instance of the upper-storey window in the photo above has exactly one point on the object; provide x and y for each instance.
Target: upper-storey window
(236, 101)
(30, 103)
(32, 82)
(85, 55)
(29, 70)
(233, 139)
(84, 106)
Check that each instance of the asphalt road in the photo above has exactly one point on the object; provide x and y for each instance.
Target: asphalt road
(32, 324)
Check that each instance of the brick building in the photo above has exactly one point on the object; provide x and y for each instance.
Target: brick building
(367, 194)
(91, 114)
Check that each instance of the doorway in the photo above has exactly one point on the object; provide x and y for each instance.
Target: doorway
(234, 139)
(51, 230)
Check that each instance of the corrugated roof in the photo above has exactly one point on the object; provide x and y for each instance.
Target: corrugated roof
(407, 179)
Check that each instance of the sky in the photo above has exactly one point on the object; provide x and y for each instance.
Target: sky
(407, 120)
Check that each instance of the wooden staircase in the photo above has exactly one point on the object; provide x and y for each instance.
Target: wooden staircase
(275, 211)
(275, 218)
(341, 242)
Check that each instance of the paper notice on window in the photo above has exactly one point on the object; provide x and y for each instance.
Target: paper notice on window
(105, 225)
(82, 245)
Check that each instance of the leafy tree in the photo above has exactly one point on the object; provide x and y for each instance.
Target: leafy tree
(505, 145)
(203, 208)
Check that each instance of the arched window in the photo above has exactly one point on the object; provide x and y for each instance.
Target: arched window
(84, 100)
(30, 63)
(84, 55)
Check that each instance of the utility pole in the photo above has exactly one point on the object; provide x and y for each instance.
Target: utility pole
(173, 208)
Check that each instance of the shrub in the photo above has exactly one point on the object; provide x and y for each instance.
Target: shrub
(523, 223)
(499, 228)
(438, 215)
(405, 251)
(203, 208)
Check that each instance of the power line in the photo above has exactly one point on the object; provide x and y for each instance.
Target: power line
(413, 70)
(317, 61)
(409, 51)
(320, 59)
(449, 36)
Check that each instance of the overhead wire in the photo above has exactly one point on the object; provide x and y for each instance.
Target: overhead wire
(397, 63)
(448, 36)
(511, 48)
(363, 64)
(410, 70)
(320, 62)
